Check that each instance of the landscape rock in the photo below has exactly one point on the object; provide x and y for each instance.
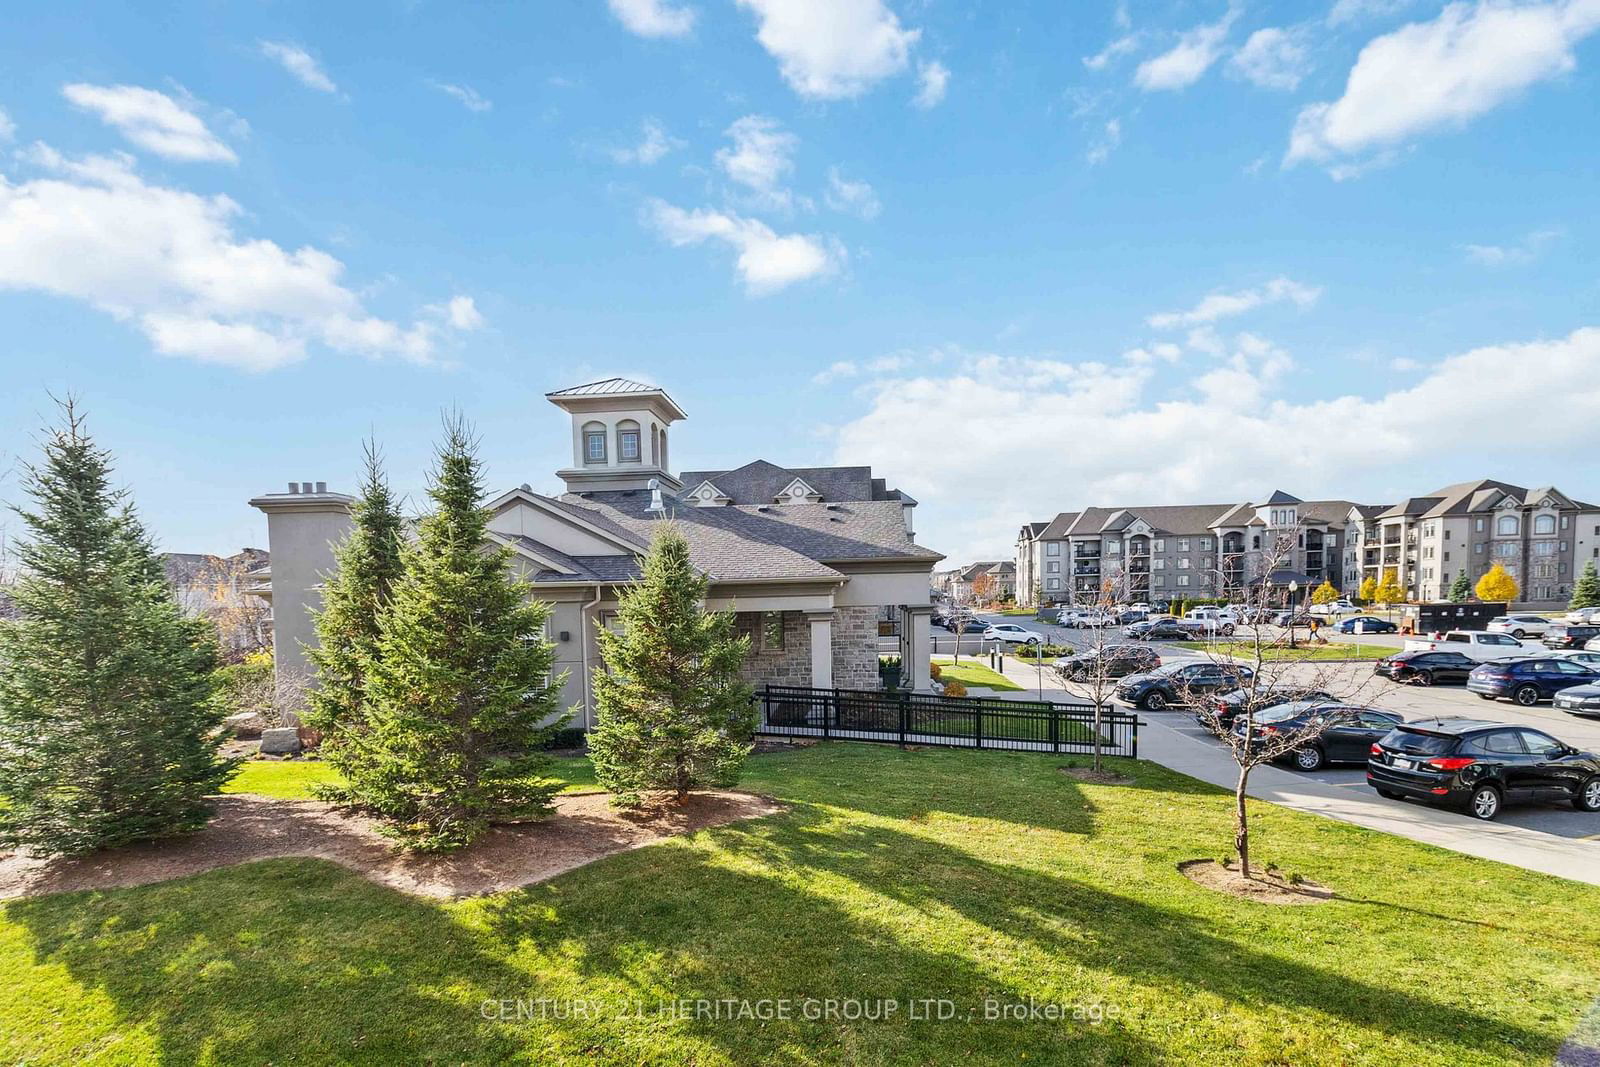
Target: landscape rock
(245, 724)
(280, 741)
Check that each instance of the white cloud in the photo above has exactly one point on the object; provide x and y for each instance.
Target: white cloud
(889, 364)
(852, 197)
(1119, 47)
(171, 263)
(844, 368)
(767, 261)
(1133, 443)
(468, 97)
(832, 49)
(154, 121)
(8, 129)
(1165, 351)
(1272, 58)
(1467, 61)
(1404, 364)
(653, 18)
(1102, 147)
(760, 158)
(1220, 305)
(933, 78)
(1511, 255)
(298, 62)
(463, 313)
(1187, 61)
(654, 144)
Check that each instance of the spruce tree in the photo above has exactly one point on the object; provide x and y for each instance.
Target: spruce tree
(672, 711)
(108, 733)
(459, 698)
(1461, 588)
(353, 600)
(1586, 591)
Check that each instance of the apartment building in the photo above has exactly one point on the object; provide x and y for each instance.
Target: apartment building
(1542, 536)
(1164, 551)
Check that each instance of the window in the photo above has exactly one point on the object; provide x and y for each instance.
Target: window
(628, 450)
(1500, 743)
(1477, 524)
(1505, 549)
(1160, 546)
(1183, 563)
(771, 631)
(1544, 548)
(1478, 548)
(594, 443)
(1507, 526)
(1544, 524)
(1160, 579)
(1183, 579)
(1053, 566)
(1183, 544)
(1052, 548)
(1113, 547)
(1053, 583)
(1205, 544)
(1158, 563)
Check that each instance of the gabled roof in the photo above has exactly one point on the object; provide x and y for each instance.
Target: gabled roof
(1057, 528)
(1280, 497)
(1412, 506)
(760, 482)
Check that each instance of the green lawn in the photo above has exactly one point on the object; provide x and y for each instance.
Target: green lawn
(961, 877)
(973, 674)
(1333, 650)
(293, 779)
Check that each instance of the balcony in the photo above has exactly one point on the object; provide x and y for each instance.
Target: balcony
(1087, 569)
(1086, 551)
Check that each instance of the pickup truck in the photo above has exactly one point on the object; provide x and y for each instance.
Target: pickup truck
(1209, 621)
(1474, 644)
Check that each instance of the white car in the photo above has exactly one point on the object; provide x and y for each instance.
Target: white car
(1474, 644)
(1519, 626)
(1582, 616)
(1012, 634)
(1094, 619)
(1584, 656)
(1592, 645)
(1337, 607)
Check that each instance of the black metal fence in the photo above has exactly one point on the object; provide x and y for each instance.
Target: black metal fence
(900, 717)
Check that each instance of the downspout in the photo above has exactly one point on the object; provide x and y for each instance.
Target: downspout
(583, 633)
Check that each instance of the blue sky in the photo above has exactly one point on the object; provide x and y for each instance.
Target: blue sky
(1021, 257)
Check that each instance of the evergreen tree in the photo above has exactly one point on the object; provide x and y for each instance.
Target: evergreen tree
(1461, 588)
(1497, 586)
(672, 711)
(353, 600)
(108, 733)
(459, 698)
(1586, 592)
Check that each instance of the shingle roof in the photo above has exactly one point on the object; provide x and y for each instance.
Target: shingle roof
(1057, 528)
(760, 482)
(1172, 518)
(760, 541)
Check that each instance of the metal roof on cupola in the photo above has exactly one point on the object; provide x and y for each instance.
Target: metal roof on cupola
(609, 389)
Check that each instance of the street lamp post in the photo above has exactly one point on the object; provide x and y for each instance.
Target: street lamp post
(1294, 587)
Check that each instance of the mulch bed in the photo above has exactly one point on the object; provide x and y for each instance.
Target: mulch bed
(1262, 887)
(584, 828)
(1091, 776)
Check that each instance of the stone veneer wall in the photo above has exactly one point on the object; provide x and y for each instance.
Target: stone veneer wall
(789, 665)
(855, 647)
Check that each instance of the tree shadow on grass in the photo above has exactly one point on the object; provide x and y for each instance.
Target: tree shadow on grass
(275, 961)
(804, 904)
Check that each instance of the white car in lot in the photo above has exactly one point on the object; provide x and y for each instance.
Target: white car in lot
(1474, 644)
(1094, 619)
(1012, 634)
(1519, 626)
(1337, 607)
(1582, 617)
(1585, 656)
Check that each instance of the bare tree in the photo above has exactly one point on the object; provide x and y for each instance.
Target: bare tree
(1268, 672)
(254, 687)
(1093, 665)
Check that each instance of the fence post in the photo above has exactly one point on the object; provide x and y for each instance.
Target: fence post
(905, 714)
(977, 728)
(1055, 728)
(1133, 726)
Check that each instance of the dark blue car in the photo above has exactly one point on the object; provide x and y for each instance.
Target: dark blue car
(1365, 624)
(1528, 681)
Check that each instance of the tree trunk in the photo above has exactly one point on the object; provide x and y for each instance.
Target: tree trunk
(1097, 712)
(1241, 823)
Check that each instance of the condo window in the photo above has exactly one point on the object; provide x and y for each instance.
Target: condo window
(1183, 579)
(1053, 566)
(1052, 548)
(771, 631)
(1053, 583)
(628, 446)
(1506, 525)
(1544, 524)
(594, 446)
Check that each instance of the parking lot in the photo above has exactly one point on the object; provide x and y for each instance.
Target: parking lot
(1357, 682)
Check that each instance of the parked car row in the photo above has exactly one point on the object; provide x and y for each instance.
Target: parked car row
(1526, 680)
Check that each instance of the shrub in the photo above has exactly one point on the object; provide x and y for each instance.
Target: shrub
(953, 688)
(1041, 651)
(933, 671)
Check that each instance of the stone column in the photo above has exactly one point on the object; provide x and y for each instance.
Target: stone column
(821, 623)
(916, 622)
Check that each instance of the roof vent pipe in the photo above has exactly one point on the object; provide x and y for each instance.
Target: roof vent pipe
(655, 497)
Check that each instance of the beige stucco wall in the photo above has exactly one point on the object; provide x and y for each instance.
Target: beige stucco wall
(302, 552)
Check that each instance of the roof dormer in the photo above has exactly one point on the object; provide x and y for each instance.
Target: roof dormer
(707, 495)
(797, 492)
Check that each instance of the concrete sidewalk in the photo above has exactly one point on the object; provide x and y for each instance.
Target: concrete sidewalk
(1162, 743)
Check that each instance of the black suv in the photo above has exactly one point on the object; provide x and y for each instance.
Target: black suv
(1178, 683)
(1118, 661)
(1422, 667)
(1481, 766)
(1569, 635)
